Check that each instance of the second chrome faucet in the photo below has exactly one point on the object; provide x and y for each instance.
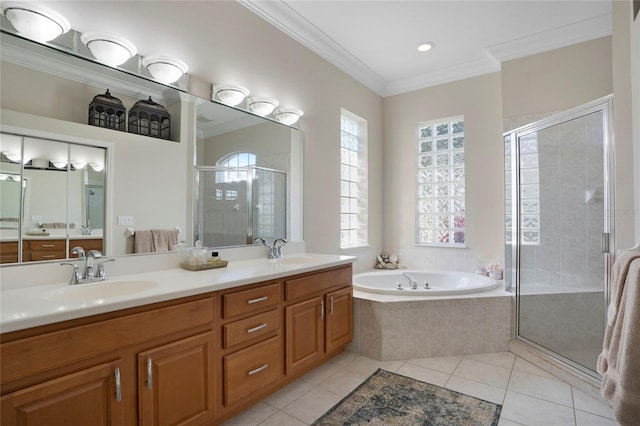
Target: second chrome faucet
(89, 273)
(274, 251)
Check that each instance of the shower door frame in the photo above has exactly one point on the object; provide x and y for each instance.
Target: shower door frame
(604, 105)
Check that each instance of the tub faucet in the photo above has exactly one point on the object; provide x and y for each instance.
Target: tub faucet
(412, 281)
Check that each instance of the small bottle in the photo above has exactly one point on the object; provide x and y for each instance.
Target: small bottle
(214, 257)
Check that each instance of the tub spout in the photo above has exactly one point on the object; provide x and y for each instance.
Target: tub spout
(412, 281)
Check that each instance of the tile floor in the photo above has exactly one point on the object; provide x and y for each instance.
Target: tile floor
(529, 395)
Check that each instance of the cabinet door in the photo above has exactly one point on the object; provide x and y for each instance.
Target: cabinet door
(305, 333)
(339, 318)
(87, 397)
(176, 382)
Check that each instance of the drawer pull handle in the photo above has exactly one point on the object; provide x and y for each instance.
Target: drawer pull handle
(258, 370)
(48, 245)
(322, 309)
(48, 256)
(258, 328)
(149, 374)
(331, 308)
(258, 300)
(118, 385)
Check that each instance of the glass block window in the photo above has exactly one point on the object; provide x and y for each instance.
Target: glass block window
(441, 188)
(353, 181)
(529, 190)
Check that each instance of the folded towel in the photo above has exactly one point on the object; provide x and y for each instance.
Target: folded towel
(164, 240)
(619, 362)
(143, 242)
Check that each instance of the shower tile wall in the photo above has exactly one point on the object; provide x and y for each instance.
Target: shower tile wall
(569, 164)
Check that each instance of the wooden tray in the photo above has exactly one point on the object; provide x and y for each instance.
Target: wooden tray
(204, 266)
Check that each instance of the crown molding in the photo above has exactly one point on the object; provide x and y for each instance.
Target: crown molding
(446, 75)
(589, 29)
(287, 20)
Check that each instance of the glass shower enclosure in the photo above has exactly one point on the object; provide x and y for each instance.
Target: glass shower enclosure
(558, 188)
(237, 204)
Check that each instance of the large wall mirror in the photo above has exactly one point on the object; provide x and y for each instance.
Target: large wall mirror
(146, 183)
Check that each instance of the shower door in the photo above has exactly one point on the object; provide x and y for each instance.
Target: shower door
(558, 230)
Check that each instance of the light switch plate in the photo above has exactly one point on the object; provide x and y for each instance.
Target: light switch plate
(125, 220)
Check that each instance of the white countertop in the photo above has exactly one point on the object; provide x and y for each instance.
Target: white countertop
(32, 306)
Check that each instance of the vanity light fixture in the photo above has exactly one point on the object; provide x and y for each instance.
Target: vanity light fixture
(230, 94)
(109, 49)
(288, 116)
(97, 167)
(78, 165)
(61, 164)
(425, 46)
(13, 157)
(262, 106)
(34, 21)
(164, 69)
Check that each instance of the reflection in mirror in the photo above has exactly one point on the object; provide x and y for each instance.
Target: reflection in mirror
(60, 203)
(243, 169)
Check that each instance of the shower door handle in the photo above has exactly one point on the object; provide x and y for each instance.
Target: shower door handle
(604, 245)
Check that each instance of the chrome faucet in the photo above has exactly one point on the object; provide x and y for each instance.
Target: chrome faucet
(412, 281)
(89, 274)
(86, 230)
(275, 251)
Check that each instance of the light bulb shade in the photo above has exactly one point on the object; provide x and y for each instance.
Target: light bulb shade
(59, 164)
(13, 156)
(230, 94)
(262, 106)
(78, 165)
(164, 69)
(97, 167)
(35, 22)
(288, 116)
(108, 49)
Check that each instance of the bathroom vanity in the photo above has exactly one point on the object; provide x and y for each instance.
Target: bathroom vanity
(196, 348)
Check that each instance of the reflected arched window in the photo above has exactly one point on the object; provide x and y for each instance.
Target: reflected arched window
(235, 160)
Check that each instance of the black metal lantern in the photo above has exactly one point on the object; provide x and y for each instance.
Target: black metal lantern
(150, 119)
(108, 111)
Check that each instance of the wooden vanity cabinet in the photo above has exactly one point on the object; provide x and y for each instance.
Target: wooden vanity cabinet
(8, 252)
(44, 249)
(319, 317)
(87, 244)
(251, 356)
(93, 371)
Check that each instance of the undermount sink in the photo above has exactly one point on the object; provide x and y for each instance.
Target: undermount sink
(100, 290)
(295, 260)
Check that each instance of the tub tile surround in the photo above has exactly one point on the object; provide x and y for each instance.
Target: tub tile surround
(529, 395)
(430, 327)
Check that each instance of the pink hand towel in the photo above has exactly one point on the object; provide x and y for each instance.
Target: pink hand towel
(619, 362)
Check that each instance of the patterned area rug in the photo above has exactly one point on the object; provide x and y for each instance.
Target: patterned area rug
(390, 399)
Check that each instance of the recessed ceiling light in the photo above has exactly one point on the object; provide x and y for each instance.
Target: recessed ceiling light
(425, 46)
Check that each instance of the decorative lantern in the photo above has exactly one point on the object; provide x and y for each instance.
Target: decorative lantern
(150, 119)
(108, 111)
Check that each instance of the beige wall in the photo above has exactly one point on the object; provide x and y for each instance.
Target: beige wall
(635, 100)
(557, 80)
(479, 100)
(622, 105)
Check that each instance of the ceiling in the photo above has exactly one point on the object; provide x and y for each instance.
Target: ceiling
(372, 41)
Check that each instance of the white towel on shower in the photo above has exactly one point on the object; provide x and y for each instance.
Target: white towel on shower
(619, 362)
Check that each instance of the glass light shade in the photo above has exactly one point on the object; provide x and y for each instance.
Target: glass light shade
(35, 22)
(78, 165)
(61, 164)
(425, 46)
(230, 94)
(288, 116)
(108, 49)
(262, 106)
(97, 167)
(12, 156)
(164, 69)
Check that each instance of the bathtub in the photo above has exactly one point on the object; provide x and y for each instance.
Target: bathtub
(396, 282)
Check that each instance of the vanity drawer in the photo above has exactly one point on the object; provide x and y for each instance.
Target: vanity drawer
(248, 329)
(250, 301)
(47, 254)
(86, 244)
(251, 369)
(46, 245)
(317, 283)
(8, 252)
